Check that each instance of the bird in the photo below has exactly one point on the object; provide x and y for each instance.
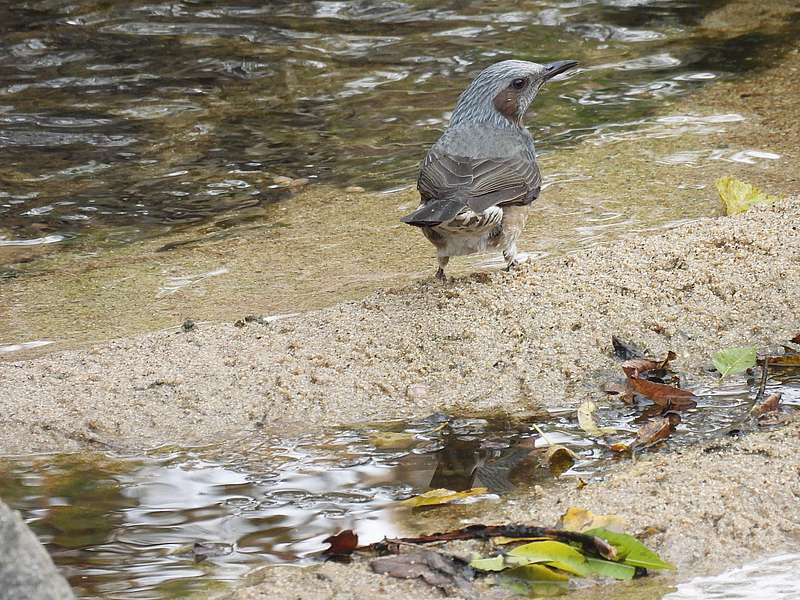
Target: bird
(478, 180)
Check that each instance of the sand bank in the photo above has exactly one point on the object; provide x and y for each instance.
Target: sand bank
(537, 337)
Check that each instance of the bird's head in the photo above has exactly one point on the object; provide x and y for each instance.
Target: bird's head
(502, 92)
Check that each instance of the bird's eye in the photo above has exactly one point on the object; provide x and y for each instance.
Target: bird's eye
(519, 83)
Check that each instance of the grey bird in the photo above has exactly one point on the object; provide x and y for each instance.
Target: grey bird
(478, 180)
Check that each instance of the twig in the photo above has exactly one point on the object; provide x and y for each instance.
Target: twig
(763, 385)
(590, 543)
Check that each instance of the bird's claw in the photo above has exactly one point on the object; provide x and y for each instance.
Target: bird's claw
(440, 276)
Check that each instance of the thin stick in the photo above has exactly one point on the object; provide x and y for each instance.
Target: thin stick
(763, 386)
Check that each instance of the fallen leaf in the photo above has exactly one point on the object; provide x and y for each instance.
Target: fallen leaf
(632, 551)
(737, 196)
(625, 350)
(662, 394)
(785, 360)
(796, 339)
(534, 581)
(653, 431)
(556, 554)
(734, 360)
(607, 568)
(441, 496)
(586, 420)
(389, 439)
(445, 572)
(620, 447)
(580, 519)
(536, 573)
(496, 563)
(635, 366)
(771, 404)
(559, 459)
(341, 544)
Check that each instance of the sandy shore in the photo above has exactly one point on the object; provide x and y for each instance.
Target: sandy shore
(539, 336)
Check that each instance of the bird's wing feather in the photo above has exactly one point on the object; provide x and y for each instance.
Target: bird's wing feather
(480, 182)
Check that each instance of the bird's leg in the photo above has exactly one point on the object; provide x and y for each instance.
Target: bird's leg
(510, 254)
(443, 260)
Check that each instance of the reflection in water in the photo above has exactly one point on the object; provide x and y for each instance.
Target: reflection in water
(178, 521)
(124, 119)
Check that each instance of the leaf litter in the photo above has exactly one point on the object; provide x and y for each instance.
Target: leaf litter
(541, 561)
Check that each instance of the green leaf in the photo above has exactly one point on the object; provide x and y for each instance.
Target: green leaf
(555, 554)
(737, 196)
(635, 553)
(534, 580)
(607, 568)
(734, 360)
(496, 563)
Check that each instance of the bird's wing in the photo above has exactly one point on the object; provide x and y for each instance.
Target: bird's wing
(480, 183)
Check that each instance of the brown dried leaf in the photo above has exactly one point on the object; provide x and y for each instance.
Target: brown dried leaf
(341, 544)
(580, 519)
(635, 366)
(785, 360)
(665, 395)
(796, 339)
(771, 404)
(445, 572)
(653, 432)
(559, 459)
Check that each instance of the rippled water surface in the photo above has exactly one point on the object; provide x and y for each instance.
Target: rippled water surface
(121, 119)
(182, 520)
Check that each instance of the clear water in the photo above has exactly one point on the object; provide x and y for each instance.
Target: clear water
(125, 119)
(176, 521)
(773, 578)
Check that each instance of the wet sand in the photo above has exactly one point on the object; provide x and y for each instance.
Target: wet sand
(537, 337)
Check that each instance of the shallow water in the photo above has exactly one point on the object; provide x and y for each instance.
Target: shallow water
(181, 520)
(776, 578)
(120, 120)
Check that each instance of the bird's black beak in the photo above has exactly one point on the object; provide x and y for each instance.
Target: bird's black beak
(554, 68)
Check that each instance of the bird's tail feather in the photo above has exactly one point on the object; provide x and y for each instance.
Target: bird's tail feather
(434, 213)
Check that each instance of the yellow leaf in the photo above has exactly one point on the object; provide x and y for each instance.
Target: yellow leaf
(580, 519)
(441, 496)
(389, 439)
(737, 196)
(586, 420)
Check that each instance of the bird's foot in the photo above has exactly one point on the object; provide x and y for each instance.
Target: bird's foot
(440, 276)
(512, 264)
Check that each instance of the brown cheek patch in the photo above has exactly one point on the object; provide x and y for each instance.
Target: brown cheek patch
(506, 103)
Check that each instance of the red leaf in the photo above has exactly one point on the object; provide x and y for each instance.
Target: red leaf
(342, 544)
(662, 394)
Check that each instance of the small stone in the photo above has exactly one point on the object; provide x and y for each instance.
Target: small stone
(282, 180)
(354, 189)
(188, 325)
(416, 391)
